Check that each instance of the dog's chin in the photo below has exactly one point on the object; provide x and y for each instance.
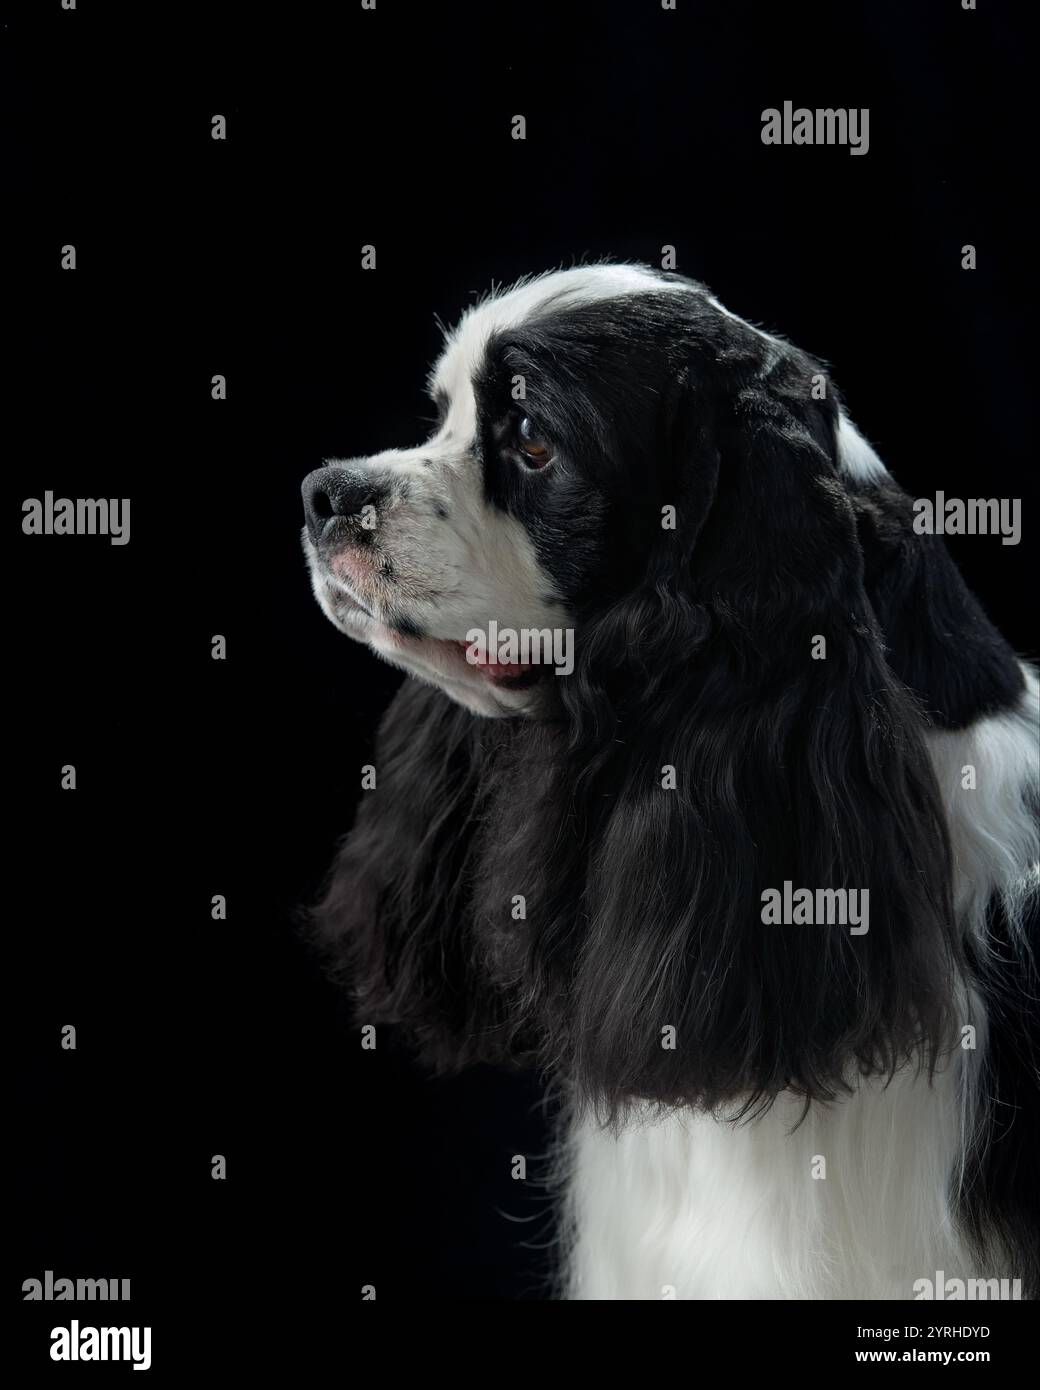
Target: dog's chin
(494, 692)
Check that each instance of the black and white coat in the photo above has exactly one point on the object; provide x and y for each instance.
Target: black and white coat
(692, 1170)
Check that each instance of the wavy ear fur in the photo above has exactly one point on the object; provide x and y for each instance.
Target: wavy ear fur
(644, 904)
(395, 920)
(786, 769)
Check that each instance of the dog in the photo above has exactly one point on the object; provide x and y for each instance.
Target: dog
(780, 688)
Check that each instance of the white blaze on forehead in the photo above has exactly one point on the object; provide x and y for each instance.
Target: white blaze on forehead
(560, 289)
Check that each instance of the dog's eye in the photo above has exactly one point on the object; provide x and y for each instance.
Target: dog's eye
(534, 450)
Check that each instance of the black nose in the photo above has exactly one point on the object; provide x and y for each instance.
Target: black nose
(330, 494)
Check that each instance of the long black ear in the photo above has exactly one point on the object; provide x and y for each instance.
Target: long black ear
(750, 662)
(394, 924)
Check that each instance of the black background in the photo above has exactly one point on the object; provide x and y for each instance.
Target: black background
(196, 777)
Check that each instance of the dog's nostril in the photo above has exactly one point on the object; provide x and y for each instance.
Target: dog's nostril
(321, 505)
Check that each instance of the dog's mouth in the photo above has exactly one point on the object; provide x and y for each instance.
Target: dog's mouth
(395, 637)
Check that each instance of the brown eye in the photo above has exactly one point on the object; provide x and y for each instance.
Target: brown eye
(535, 451)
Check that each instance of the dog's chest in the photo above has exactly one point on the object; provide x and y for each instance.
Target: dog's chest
(848, 1204)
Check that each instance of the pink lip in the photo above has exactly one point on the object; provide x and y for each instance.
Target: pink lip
(495, 670)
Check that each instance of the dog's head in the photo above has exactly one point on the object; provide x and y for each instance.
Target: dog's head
(760, 641)
(582, 421)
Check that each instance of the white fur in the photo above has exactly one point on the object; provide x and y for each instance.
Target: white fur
(523, 302)
(692, 1207)
(855, 456)
(683, 1205)
(994, 843)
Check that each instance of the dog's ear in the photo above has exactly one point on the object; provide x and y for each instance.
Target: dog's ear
(738, 729)
(394, 923)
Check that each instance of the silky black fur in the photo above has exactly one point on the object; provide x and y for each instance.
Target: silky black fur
(938, 639)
